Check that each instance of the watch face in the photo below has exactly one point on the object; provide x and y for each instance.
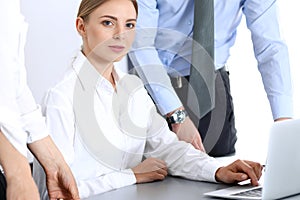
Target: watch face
(179, 116)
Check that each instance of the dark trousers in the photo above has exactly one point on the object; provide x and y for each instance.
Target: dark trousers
(2, 187)
(217, 128)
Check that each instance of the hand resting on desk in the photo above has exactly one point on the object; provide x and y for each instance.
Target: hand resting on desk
(153, 169)
(149, 170)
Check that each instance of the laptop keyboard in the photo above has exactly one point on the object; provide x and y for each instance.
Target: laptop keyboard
(250, 193)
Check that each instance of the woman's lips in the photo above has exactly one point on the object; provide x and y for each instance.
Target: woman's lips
(116, 48)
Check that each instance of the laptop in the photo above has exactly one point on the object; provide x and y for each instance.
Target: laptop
(282, 172)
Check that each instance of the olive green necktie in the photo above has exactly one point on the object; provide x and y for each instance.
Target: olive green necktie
(201, 93)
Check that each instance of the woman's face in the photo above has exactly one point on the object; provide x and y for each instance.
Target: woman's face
(109, 31)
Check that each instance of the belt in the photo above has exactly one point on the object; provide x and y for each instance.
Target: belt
(178, 80)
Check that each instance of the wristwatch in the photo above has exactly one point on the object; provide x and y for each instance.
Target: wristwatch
(177, 117)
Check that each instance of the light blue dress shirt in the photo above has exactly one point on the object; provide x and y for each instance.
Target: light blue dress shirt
(163, 41)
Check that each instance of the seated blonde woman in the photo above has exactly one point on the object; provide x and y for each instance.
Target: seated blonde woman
(106, 125)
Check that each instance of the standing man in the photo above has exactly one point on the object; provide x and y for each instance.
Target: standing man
(21, 122)
(164, 46)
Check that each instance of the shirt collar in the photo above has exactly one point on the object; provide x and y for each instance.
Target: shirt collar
(79, 59)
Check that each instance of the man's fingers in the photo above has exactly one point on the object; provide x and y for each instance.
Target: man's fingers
(196, 145)
(256, 167)
(202, 148)
(238, 177)
(248, 170)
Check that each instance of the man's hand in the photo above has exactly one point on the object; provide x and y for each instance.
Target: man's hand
(240, 171)
(149, 170)
(188, 132)
(282, 119)
(60, 181)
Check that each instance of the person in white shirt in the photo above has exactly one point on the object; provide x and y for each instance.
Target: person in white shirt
(106, 125)
(21, 122)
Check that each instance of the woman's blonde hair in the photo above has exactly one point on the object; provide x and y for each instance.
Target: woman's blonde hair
(88, 6)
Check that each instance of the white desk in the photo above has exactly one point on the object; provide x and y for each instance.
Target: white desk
(171, 188)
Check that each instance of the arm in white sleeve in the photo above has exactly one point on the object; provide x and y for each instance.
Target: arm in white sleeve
(105, 183)
(146, 61)
(10, 120)
(31, 116)
(12, 30)
(271, 53)
(61, 123)
(182, 158)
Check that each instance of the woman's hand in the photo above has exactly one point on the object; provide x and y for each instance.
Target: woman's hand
(149, 170)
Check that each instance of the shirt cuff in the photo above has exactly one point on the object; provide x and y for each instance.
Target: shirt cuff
(281, 106)
(112, 181)
(165, 99)
(209, 170)
(35, 126)
(125, 178)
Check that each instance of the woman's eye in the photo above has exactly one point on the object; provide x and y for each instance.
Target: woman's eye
(130, 25)
(107, 23)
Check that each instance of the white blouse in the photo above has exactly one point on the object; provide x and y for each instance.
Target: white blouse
(130, 132)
